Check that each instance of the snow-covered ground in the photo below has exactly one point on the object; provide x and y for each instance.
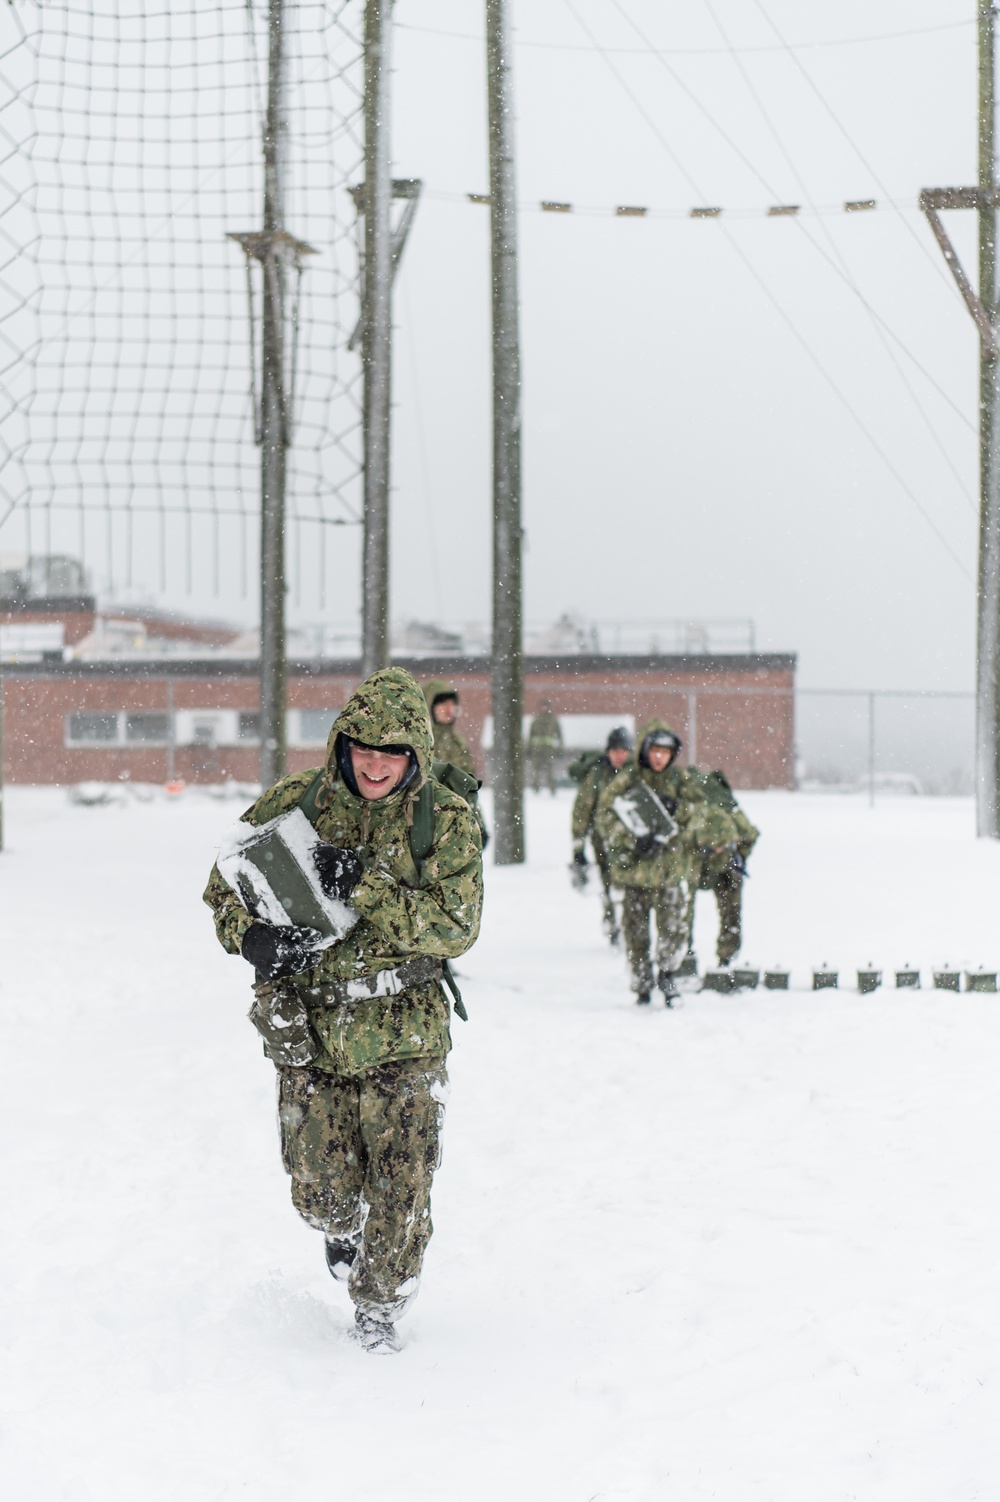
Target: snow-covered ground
(744, 1251)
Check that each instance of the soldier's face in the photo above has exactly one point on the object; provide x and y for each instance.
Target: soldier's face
(446, 713)
(377, 773)
(659, 757)
(618, 756)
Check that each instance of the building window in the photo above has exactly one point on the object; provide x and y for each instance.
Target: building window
(206, 733)
(248, 725)
(147, 729)
(314, 725)
(92, 729)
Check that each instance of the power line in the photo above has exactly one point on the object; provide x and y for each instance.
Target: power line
(882, 36)
(924, 249)
(779, 309)
(844, 269)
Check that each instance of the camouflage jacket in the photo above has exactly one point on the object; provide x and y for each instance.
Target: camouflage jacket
(673, 863)
(740, 837)
(585, 804)
(544, 732)
(449, 743)
(404, 913)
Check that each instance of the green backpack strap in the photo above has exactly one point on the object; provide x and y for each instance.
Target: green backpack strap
(422, 839)
(307, 802)
(422, 828)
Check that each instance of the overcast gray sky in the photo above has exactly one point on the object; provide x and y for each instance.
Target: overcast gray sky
(686, 448)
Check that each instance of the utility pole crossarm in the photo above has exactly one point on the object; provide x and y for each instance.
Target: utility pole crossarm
(931, 201)
(984, 306)
(409, 190)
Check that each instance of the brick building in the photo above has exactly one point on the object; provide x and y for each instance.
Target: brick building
(150, 719)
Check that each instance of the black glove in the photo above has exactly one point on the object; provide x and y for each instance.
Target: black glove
(276, 950)
(738, 864)
(670, 804)
(339, 870)
(580, 858)
(646, 845)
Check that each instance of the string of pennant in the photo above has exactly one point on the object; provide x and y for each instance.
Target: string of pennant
(698, 211)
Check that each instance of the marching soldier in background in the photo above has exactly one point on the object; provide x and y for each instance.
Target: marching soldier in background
(655, 878)
(544, 744)
(595, 773)
(721, 868)
(449, 743)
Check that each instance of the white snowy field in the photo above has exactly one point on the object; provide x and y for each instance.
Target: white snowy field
(747, 1250)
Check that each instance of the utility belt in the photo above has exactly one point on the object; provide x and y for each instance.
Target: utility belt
(416, 972)
(279, 1008)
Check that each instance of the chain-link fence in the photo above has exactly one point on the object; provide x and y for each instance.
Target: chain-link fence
(886, 739)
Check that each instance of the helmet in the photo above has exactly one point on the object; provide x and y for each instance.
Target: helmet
(659, 738)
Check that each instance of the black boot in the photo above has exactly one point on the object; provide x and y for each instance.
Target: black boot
(341, 1255)
(667, 983)
(642, 1000)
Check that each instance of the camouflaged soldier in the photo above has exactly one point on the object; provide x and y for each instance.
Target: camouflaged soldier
(721, 865)
(544, 744)
(595, 779)
(654, 879)
(449, 743)
(360, 1119)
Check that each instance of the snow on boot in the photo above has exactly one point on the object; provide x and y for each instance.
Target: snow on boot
(375, 1335)
(341, 1254)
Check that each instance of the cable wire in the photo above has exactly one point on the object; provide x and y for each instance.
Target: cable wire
(844, 270)
(924, 249)
(779, 309)
(882, 36)
(841, 270)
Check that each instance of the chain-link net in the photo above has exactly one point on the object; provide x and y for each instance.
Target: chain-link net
(130, 146)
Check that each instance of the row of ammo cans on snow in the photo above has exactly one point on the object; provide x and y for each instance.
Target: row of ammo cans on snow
(868, 980)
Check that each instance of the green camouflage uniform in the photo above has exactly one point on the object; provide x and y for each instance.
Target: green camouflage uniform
(360, 1124)
(592, 785)
(544, 744)
(715, 870)
(660, 883)
(449, 743)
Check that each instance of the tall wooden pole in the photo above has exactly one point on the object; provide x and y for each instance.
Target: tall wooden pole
(508, 664)
(988, 635)
(377, 338)
(1, 757)
(273, 420)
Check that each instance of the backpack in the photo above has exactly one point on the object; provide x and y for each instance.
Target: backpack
(422, 830)
(584, 763)
(715, 786)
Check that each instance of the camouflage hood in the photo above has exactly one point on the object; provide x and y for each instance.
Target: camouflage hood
(648, 729)
(435, 688)
(388, 709)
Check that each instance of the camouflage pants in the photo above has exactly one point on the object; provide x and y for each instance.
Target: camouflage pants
(542, 761)
(670, 906)
(728, 889)
(361, 1151)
